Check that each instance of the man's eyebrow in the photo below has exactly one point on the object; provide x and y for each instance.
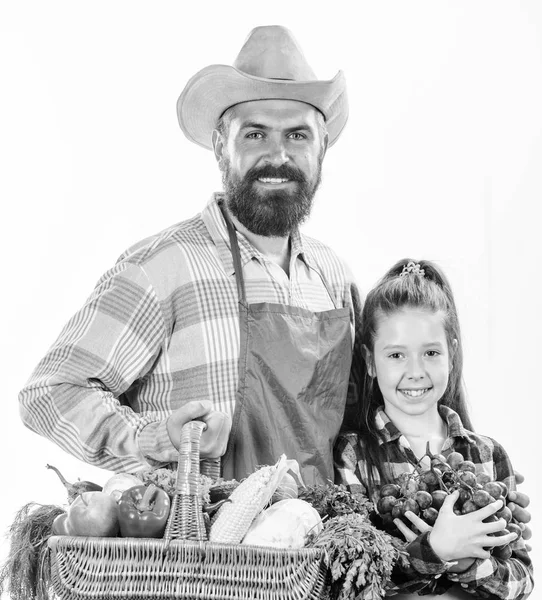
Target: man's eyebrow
(253, 125)
(300, 127)
(258, 125)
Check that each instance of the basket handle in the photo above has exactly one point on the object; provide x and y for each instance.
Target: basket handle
(186, 515)
(210, 467)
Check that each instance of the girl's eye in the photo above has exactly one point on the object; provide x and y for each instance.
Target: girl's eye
(433, 353)
(395, 355)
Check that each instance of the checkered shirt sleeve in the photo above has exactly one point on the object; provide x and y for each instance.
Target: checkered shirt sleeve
(72, 396)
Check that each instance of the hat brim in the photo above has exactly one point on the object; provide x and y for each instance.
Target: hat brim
(216, 88)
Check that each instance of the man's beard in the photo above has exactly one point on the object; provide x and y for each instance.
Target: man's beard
(270, 213)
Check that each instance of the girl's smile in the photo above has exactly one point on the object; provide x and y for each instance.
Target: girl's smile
(414, 393)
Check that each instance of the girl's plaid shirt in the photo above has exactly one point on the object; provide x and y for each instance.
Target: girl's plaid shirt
(510, 579)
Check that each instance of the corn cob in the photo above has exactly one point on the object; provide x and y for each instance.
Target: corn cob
(249, 498)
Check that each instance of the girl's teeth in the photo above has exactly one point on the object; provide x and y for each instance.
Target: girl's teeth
(414, 393)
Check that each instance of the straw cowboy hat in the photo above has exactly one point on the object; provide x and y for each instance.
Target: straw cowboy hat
(270, 65)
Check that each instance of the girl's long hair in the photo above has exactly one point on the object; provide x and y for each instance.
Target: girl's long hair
(430, 291)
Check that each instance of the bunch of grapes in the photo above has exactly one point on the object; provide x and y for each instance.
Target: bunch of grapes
(424, 491)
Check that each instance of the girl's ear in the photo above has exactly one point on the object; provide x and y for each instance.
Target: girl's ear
(368, 356)
(453, 350)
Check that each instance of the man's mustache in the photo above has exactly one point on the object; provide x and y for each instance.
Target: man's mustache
(283, 172)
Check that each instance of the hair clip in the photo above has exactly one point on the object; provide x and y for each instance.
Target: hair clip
(412, 267)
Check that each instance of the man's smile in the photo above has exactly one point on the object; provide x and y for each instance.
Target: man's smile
(274, 180)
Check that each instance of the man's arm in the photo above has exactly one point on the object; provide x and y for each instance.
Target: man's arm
(72, 398)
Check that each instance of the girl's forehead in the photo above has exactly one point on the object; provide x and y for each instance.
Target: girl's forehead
(411, 323)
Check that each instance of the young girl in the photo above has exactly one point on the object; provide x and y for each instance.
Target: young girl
(412, 394)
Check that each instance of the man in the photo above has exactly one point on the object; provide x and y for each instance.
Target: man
(234, 306)
(233, 316)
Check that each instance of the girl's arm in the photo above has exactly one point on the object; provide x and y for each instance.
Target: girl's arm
(507, 579)
(478, 572)
(510, 579)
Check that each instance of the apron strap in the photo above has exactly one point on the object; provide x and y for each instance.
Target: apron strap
(236, 254)
(328, 289)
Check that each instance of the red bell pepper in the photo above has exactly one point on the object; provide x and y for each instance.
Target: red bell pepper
(143, 511)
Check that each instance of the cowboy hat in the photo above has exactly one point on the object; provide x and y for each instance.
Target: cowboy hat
(270, 65)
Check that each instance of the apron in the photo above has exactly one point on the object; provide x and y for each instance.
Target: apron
(294, 367)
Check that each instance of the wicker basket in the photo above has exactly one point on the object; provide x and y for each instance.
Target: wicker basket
(183, 565)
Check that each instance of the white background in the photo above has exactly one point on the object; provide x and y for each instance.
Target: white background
(441, 159)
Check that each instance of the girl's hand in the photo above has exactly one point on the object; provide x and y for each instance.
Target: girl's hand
(456, 537)
(518, 503)
(458, 566)
(467, 536)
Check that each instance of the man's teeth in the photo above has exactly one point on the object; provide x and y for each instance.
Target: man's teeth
(414, 393)
(272, 180)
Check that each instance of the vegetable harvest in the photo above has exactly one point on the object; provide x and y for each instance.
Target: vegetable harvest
(143, 511)
(119, 483)
(90, 514)
(359, 556)
(267, 509)
(77, 488)
(26, 573)
(249, 498)
(285, 524)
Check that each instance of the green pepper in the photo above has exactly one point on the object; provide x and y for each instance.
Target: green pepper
(143, 511)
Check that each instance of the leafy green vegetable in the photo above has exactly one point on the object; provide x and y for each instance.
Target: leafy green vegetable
(360, 557)
(333, 500)
(26, 574)
(166, 479)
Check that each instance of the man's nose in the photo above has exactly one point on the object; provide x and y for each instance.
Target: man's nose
(276, 153)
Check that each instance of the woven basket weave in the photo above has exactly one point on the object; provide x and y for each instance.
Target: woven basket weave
(183, 565)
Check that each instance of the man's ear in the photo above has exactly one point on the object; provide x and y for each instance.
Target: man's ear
(369, 360)
(324, 145)
(218, 145)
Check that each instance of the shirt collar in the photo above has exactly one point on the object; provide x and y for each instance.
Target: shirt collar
(389, 432)
(214, 221)
(454, 423)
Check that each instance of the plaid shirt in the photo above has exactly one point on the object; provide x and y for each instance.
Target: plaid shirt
(510, 579)
(161, 329)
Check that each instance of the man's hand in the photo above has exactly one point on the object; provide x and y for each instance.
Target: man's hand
(214, 438)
